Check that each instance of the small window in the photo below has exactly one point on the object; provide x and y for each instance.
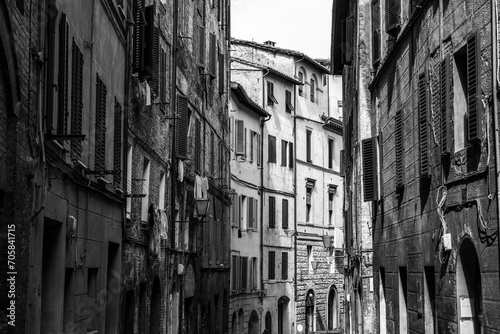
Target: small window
(284, 265)
(271, 100)
(330, 208)
(284, 150)
(330, 152)
(271, 149)
(272, 212)
(313, 90)
(308, 145)
(271, 265)
(301, 87)
(288, 98)
(284, 214)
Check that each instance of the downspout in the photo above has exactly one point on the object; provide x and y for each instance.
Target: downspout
(494, 60)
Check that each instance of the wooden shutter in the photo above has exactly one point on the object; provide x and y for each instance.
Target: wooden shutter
(381, 163)
(222, 73)
(197, 145)
(244, 272)
(308, 145)
(213, 55)
(272, 211)
(182, 126)
(245, 143)
(201, 46)
(342, 162)
(272, 265)
(376, 36)
(152, 49)
(117, 157)
(163, 79)
(284, 213)
(100, 126)
(474, 102)
(349, 39)
(370, 181)
(63, 96)
(255, 212)
(76, 100)
(240, 136)
(259, 150)
(288, 101)
(234, 271)
(272, 149)
(423, 125)
(398, 138)
(446, 116)
(212, 153)
(284, 265)
(240, 212)
(393, 15)
(235, 220)
(330, 153)
(252, 134)
(283, 152)
(290, 156)
(250, 212)
(138, 39)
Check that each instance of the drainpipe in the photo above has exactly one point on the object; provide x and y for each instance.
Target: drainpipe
(494, 60)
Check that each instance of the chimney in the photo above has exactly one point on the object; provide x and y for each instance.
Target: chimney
(270, 43)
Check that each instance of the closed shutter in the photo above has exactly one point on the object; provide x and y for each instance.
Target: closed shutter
(117, 157)
(272, 149)
(240, 212)
(151, 51)
(259, 150)
(250, 213)
(376, 36)
(213, 55)
(349, 39)
(272, 265)
(308, 145)
(244, 272)
(393, 15)
(235, 221)
(474, 87)
(197, 145)
(240, 137)
(163, 79)
(76, 100)
(446, 105)
(398, 138)
(138, 39)
(283, 152)
(234, 278)
(272, 212)
(63, 95)
(342, 162)
(423, 125)
(222, 73)
(284, 266)
(201, 46)
(255, 212)
(284, 213)
(182, 126)
(291, 161)
(100, 126)
(370, 169)
(252, 134)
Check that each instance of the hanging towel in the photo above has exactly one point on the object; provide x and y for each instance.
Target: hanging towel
(198, 193)
(204, 187)
(163, 225)
(180, 171)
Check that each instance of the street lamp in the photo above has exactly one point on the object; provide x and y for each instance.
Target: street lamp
(202, 206)
(314, 265)
(327, 241)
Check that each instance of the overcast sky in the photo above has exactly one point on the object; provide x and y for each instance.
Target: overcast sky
(300, 25)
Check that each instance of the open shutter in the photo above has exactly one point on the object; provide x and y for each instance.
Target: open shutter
(250, 213)
(376, 36)
(197, 145)
(474, 88)
(244, 273)
(446, 115)
(283, 152)
(151, 51)
(63, 111)
(398, 138)
(349, 39)
(272, 149)
(201, 46)
(272, 212)
(182, 126)
(117, 158)
(284, 213)
(255, 212)
(100, 126)
(240, 137)
(393, 15)
(76, 100)
(221, 73)
(258, 149)
(234, 271)
(235, 220)
(238, 273)
(370, 181)
(290, 156)
(423, 124)
(138, 40)
(284, 266)
(213, 55)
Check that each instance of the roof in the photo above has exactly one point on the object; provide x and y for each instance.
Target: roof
(243, 97)
(270, 69)
(286, 52)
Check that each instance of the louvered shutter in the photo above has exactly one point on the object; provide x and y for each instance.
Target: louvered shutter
(284, 213)
(284, 266)
(163, 79)
(235, 221)
(252, 134)
(308, 145)
(423, 125)
(238, 273)
(63, 96)
(272, 265)
(234, 265)
(381, 162)
(76, 100)
(138, 39)
(393, 15)
(100, 126)
(290, 156)
(349, 40)
(474, 102)
(244, 272)
(398, 138)
(376, 36)
(151, 51)
(446, 116)
(255, 212)
(240, 137)
(182, 126)
(222, 73)
(272, 212)
(201, 46)
(259, 150)
(370, 169)
(197, 145)
(272, 149)
(213, 55)
(283, 152)
(117, 157)
(240, 212)
(342, 162)
(250, 213)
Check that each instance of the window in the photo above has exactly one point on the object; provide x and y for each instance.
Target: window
(301, 87)
(309, 259)
(423, 101)
(243, 212)
(308, 204)
(330, 152)
(272, 212)
(254, 274)
(290, 156)
(182, 127)
(370, 169)
(271, 100)
(284, 148)
(76, 100)
(271, 265)
(313, 89)
(252, 135)
(161, 195)
(201, 46)
(117, 150)
(235, 209)
(330, 208)
(252, 213)
(197, 145)
(235, 268)
(259, 149)
(288, 100)
(100, 126)
(376, 36)
(243, 273)
(284, 214)
(240, 137)
(308, 145)
(393, 14)
(213, 56)
(446, 86)
(284, 265)
(271, 153)
(398, 138)
(145, 189)
(222, 73)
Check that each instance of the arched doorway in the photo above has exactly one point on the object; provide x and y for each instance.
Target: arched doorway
(283, 321)
(333, 308)
(269, 322)
(253, 323)
(310, 312)
(154, 320)
(469, 294)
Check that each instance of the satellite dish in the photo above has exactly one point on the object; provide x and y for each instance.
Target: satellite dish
(300, 328)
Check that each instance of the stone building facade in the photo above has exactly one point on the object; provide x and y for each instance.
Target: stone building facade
(429, 159)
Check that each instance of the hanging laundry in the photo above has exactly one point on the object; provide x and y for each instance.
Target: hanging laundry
(163, 225)
(180, 171)
(154, 234)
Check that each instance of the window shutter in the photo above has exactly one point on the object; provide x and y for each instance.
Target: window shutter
(284, 213)
(342, 162)
(381, 163)
(308, 145)
(234, 272)
(474, 87)
(283, 152)
(240, 212)
(213, 55)
(201, 46)
(272, 149)
(100, 126)
(245, 142)
(330, 153)
(272, 265)
(349, 39)
(244, 273)
(288, 101)
(182, 126)
(163, 79)
(152, 46)
(240, 137)
(63, 114)
(222, 73)
(197, 145)
(423, 125)
(291, 161)
(212, 153)
(398, 138)
(250, 213)
(284, 266)
(330, 202)
(272, 212)
(117, 161)
(138, 47)
(252, 134)
(235, 221)
(76, 100)
(446, 105)
(258, 149)
(312, 87)
(238, 273)
(376, 36)
(393, 15)
(370, 169)
(255, 212)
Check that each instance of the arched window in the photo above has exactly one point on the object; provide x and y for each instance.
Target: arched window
(310, 312)
(269, 322)
(253, 323)
(303, 79)
(333, 308)
(313, 88)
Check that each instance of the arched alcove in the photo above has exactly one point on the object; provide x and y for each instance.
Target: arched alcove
(253, 323)
(309, 312)
(333, 308)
